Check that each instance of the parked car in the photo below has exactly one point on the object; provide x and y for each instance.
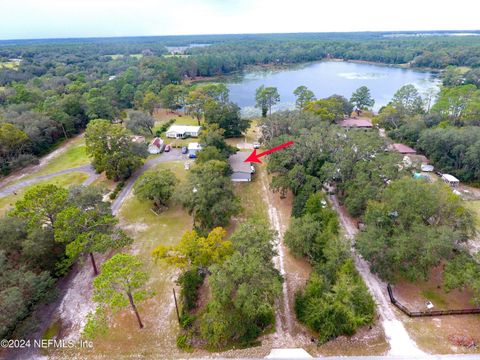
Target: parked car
(167, 148)
(184, 150)
(162, 148)
(256, 145)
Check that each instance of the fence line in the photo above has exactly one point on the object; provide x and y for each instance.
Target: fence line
(405, 310)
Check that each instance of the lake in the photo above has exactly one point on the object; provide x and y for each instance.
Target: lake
(326, 78)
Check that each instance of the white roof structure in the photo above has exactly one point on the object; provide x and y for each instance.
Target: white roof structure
(450, 178)
(182, 129)
(194, 146)
(426, 168)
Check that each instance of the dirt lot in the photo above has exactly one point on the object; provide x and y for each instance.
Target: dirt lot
(434, 334)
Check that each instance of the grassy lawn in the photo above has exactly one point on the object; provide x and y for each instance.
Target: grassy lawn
(251, 198)
(66, 180)
(158, 338)
(102, 181)
(74, 156)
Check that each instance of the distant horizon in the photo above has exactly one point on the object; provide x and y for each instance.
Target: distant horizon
(446, 31)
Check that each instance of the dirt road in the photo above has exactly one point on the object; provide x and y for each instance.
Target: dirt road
(397, 336)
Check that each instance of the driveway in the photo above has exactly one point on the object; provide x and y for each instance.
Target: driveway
(173, 155)
(8, 190)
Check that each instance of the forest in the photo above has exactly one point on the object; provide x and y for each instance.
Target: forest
(50, 89)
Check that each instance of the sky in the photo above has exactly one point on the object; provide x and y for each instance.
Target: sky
(30, 19)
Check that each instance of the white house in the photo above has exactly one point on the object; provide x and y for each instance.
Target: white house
(155, 146)
(183, 131)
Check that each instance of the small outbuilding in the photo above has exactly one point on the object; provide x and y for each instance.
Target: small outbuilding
(183, 131)
(155, 146)
(356, 123)
(242, 171)
(426, 168)
(450, 180)
(403, 149)
(193, 149)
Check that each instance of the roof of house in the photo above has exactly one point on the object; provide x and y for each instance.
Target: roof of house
(403, 149)
(356, 122)
(238, 164)
(194, 146)
(450, 178)
(241, 176)
(182, 129)
(156, 142)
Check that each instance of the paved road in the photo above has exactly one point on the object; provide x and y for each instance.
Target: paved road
(173, 155)
(8, 190)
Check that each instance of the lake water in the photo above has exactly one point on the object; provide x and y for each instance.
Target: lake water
(326, 78)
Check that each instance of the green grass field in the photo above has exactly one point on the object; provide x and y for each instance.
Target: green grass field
(67, 180)
(74, 156)
(251, 198)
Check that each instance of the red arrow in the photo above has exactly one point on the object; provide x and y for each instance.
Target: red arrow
(254, 157)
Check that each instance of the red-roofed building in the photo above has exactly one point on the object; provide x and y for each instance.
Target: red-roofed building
(403, 149)
(155, 146)
(356, 123)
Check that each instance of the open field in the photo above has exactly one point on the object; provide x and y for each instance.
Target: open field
(66, 180)
(74, 156)
(432, 334)
(414, 295)
(13, 65)
(118, 56)
(149, 230)
(69, 155)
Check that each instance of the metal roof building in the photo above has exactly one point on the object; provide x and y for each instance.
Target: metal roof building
(242, 171)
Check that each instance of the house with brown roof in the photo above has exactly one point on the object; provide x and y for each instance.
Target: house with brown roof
(356, 123)
(403, 149)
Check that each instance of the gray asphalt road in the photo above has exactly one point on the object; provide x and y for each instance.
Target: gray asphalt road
(8, 190)
(173, 155)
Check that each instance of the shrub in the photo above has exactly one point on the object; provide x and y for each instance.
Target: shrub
(190, 281)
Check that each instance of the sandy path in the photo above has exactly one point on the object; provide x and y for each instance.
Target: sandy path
(397, 336)
(284, 321)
